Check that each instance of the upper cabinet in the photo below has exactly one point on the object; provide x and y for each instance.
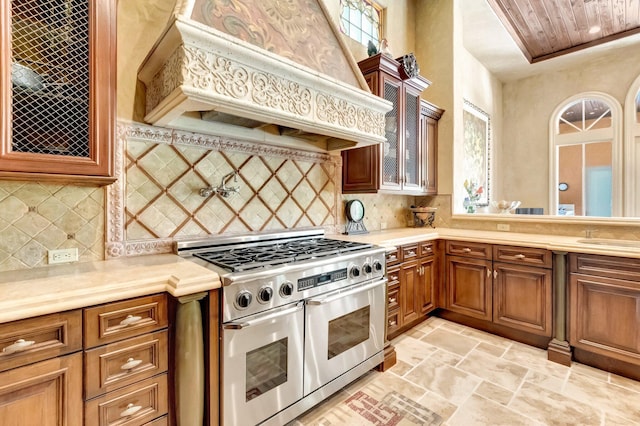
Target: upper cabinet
(57, 90)
(406, 162)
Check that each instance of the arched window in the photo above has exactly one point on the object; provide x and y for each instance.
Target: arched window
(632, 151)
(585, 156)
(361, 20)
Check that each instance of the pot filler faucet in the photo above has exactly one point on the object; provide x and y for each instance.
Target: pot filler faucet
(224, 190)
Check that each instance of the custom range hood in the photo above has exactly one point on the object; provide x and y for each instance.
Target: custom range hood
(268, 71)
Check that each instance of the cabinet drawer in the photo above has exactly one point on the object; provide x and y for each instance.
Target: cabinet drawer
(393, 322)
(426, 248)
(409, 252)
(162, 421)
(393, 256)
(622, 268)
(134, 405)
(462, 248)
(393, 276)
(116, 321)
(118, 364)
(523, 255)
(35, 339)
(392, 297)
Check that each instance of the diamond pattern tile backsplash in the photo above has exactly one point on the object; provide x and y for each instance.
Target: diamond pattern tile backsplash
(37, 217)
(275, 192)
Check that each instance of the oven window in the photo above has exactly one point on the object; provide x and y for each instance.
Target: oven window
(266, 368)
(348, 331)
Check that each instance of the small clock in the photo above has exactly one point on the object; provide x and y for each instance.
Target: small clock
(354, 211)
(562, 186)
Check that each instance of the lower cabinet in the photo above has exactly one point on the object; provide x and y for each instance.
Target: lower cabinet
(411, 273)
(604, 310)
(502, 285)
(47, 393)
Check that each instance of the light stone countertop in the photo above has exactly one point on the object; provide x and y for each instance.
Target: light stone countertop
(400, 236)
(32, 292)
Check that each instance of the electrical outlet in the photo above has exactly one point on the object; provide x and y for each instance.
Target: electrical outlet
(383, 225)
(503, 227)
(63, 255)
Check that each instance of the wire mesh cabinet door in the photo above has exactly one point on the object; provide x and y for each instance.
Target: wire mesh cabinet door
(57, 89)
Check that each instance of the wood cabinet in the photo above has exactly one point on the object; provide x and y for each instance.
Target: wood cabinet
(38, 386)
(399, 164)
(126, 351)
(429, 116)
(411, 273)
(604, 311)
(506, 285)
(57, 90)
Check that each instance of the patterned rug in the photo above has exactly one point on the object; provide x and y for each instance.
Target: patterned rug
(394, 409)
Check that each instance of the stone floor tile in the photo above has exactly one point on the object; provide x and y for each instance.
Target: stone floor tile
(608, 397)
(479, 411)
(450, 383)
(586, 370)
(438, 405)
(545, 381)
(494, 393)
(487, 337)
(400, 368)
(625, 382)
(496, 370)
(450, 341)
(413, 351)
(382, 384)
(552, 408)
(534, 358)
(490, 349)
(445, 357)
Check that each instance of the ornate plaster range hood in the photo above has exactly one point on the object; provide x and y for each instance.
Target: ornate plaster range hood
(269, 71)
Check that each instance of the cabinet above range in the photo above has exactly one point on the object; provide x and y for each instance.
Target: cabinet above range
(406, 161)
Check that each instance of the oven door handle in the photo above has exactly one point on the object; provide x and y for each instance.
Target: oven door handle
(244, 324)
(341, 293)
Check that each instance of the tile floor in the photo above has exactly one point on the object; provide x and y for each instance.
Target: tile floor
(449, 374)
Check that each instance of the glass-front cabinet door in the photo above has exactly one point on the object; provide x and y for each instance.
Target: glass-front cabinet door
(391, 149)
(412, 175)
(57, 89)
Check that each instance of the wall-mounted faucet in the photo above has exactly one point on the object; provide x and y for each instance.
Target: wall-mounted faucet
(224, 190)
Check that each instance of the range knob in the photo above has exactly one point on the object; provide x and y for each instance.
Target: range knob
(243, 299)
(377, 266)
(367, 268)
(286, 289)
(355, 272)
(265, 294)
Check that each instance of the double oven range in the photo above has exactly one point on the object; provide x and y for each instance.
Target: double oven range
(302, 316)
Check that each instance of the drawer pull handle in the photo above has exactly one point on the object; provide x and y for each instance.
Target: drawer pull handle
(392, 257)
(392, 300)
(411, 253)
(131, 364)
(394, 278)
(18, 346)
(130, 320)
(519, 256)
(466, 250)
(131, 410)
(495, 274)
(488, 273)
(392, 323)
(428, 249)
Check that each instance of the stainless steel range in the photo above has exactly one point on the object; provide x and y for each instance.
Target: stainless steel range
(302, 316)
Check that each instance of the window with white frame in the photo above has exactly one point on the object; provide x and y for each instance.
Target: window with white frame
(361, 20)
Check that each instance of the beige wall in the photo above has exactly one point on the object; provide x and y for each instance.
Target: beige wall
(528, 105)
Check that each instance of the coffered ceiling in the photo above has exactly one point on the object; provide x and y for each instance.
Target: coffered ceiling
(544, 29)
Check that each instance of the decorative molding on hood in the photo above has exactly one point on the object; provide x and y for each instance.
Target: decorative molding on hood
(201, 79)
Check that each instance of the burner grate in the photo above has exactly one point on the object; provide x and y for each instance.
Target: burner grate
(272, 254)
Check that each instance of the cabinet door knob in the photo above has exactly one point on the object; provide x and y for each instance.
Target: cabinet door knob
(466, 250)
(520, 256)
(488, 273)
(131, 410)
(19, 345)
(495, 274)
(130, 320)
(131, 364)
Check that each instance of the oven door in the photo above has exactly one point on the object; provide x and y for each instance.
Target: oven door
(262, 364)
(343, 329)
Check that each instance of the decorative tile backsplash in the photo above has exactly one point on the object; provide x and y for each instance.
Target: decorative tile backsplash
(37, 217)
(158, 199)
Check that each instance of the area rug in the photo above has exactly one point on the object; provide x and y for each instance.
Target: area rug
(394, 409)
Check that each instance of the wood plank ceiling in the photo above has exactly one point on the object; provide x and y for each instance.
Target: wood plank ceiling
(544, 29)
